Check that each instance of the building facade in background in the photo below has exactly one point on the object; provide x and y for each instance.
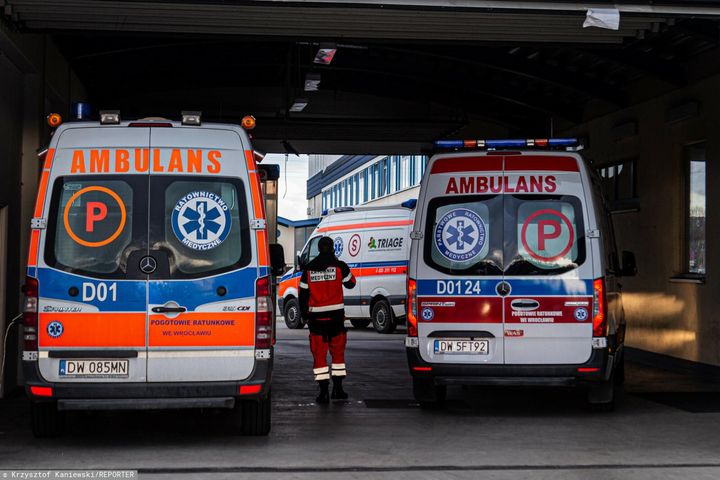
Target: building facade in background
(292, 235)
(348, 180)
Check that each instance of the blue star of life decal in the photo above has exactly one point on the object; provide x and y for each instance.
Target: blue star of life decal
(201, 220)
(55, 329)
(460, 235)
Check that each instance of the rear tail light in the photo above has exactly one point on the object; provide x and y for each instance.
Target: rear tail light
(41, 391)
(249, 389)
(599, 308)
(263, 313)
(412, 328)
(30, 315)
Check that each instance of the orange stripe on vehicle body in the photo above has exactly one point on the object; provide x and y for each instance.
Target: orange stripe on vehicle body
(42, 189)
(95, 329)
(395, 223)
(262, 247)
(190, 330)
(250, 160)
(374, 271)
(33, 250)
(49, 159)
(257, 197)
(291, 282)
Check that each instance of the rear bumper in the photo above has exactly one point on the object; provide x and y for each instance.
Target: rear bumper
(144, 396)
(599, 367)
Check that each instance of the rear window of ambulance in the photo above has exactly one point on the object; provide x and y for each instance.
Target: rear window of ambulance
(93, 225)
(202, 223)
(504, 234)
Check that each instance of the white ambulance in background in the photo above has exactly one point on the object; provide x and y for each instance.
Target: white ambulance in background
(513, 273)
(374, 242)
(148, 276)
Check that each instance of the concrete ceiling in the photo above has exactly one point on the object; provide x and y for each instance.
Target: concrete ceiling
(406, 72)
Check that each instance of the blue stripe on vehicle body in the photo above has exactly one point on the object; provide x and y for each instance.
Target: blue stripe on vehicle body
(194, 292)
(55, 284)
(519, 287)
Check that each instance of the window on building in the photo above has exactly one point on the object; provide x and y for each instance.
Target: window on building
(619, 180)
(695, 167)
(358, 187)
(364, 185)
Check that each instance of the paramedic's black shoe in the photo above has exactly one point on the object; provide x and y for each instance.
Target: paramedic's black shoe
(323, 397)
(337, 392)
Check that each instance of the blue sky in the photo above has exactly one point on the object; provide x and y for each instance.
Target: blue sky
(291, 195)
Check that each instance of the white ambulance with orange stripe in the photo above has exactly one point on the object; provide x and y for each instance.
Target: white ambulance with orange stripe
(374, 242)
(148, 273)
(513, 272)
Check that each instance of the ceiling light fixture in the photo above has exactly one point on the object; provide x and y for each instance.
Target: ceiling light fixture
(325, 53)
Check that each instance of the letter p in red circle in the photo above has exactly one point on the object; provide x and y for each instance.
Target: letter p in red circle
(547, 229)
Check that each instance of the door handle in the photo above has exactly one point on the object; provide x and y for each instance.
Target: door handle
(169, 309)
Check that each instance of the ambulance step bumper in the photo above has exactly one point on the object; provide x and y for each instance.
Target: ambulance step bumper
(508, 381)
(145, 403)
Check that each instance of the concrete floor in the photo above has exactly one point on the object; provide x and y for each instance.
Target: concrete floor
(381, 433)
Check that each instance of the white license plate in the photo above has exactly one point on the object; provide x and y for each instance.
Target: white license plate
(466, 347)
(94, 368)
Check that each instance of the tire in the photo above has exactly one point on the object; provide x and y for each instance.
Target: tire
(256, 415)
(360, 323)
(47, 420)
(293, 320)
(427, 394)
(382, 316)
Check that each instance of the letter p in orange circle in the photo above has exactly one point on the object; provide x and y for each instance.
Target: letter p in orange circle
(96, 212)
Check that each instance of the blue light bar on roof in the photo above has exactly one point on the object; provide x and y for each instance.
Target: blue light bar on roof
(507, 143)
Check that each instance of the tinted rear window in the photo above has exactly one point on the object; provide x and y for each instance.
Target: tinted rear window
(505, 234)
(202, 223)
(95, 223)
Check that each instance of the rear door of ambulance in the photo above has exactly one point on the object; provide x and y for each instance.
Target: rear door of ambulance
(458, 263)
(548, 260)
(92, 296)
(201, 295)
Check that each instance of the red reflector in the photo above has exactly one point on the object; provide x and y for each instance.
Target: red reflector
(422, 369)
(588, 370)
(41, 391)
(250, 389)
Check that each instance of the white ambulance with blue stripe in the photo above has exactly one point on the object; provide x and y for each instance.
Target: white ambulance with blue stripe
(513, 272)
(375, 243)
(148, 281)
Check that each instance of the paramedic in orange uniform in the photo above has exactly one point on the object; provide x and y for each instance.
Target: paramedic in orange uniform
(322, 304)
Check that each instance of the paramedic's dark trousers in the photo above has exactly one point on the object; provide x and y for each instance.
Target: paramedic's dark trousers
(319, 346)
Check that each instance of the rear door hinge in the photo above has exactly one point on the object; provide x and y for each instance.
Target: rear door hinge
(416, 235)
(258, 223)
(593, 234)
(38, 223)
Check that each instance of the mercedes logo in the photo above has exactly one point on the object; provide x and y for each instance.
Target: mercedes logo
(503, 289)
(148, 265)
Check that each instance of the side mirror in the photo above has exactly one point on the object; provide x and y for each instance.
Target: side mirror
(298, 263)
(629, 265)
(277, 259)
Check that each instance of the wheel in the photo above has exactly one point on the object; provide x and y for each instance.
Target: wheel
(47, 420)
(360, 322)
(256, 416)
(427, 394)
(382, 317)
(293, 320)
